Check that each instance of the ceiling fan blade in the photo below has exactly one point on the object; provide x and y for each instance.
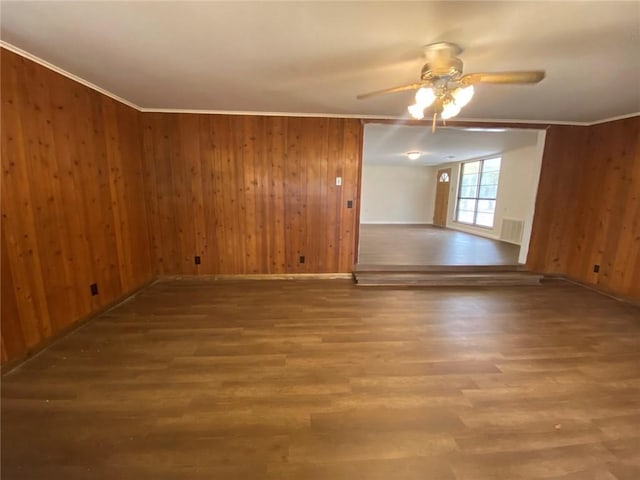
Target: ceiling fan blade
(401, 88)
(533, 76)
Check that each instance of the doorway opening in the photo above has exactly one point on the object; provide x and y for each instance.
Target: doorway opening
(443, 186)
(467, 199)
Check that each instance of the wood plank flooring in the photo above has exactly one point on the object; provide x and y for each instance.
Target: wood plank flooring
(196, 379)
(429, 245)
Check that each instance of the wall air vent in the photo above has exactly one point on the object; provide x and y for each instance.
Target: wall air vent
(511, 230)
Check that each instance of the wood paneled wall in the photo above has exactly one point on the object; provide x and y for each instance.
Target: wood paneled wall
(588, 206)
(96, 192)
(73, 210)
(251, 194)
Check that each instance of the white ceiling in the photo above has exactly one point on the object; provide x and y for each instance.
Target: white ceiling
(386, 144)
(315, 57)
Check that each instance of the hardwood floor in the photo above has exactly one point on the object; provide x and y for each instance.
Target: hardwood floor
(428, 245)
(195, 379)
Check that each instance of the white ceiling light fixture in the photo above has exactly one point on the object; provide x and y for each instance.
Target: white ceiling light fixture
(463, 95)
(480, 129)
(413, 155)
(416, 111)
(449, 102)
(425, 97)
(449, 110)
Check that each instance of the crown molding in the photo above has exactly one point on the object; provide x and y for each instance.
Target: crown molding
(75, 78)
(95, 87)
(271, 114)
(356, 116)
(613, 119)
(530, 122)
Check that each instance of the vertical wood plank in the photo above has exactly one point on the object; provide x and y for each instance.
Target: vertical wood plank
(13, 336)
(72, 211)
(262, 188)
(588, 206)
(20, 146)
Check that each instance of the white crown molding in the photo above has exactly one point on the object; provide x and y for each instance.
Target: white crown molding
(95, 87)
(613, 119)
(383, 222)
(271, 114)
(360, 117)
(524, 122)
(64, 73)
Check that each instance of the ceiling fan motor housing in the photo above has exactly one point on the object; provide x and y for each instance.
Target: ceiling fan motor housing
(450, 70)
(442, 61)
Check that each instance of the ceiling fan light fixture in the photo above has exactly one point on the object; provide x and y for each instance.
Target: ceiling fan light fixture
(480, 129)
(462, 95)
(413, 155)
(443, 87)
(416, 111)
(449, 110)
(425, 97)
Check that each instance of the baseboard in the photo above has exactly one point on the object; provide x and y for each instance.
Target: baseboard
(594, 288)
(262, 276)
(478, 232)
(396, 223)
(46, 343)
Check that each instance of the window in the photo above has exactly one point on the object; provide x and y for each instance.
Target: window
(478, 191)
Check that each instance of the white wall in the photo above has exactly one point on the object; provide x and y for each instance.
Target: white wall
(517, 188)
(533, 193)
(393, 194)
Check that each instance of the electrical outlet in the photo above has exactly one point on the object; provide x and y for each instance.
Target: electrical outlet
(301, 258)
(349, 203)
(596, 268)
(197, 260)
(94, 289)
(338, 181)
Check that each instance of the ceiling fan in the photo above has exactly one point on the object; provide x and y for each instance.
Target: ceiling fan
(443, 85)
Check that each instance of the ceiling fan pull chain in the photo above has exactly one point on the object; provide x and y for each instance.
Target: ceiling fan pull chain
(433, 126)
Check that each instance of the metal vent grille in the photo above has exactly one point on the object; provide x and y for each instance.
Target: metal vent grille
(512, 230)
